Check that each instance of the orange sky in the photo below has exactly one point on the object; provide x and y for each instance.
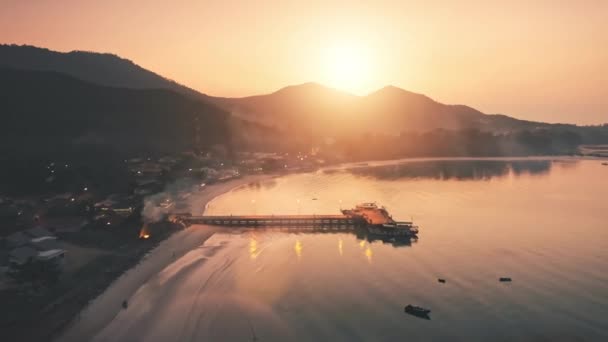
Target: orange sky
(542, 61)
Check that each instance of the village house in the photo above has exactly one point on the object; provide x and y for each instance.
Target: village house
(121, 204)
(34, 244)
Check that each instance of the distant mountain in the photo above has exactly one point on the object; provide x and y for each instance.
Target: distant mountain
(305, 104)
(100, 68)
(389, 110)
(93, 97)
(395, 123)
(51, 113)
(109, 70)
(310, 108)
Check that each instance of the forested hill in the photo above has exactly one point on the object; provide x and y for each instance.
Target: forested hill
(47, 112)
(99, 68)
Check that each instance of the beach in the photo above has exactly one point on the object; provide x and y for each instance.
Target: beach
(106, 306)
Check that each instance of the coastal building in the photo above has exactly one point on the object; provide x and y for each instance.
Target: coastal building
(28, 253)
(56, 256)
(120, 204)
(45, 243)
(39, 232)
(228, 174)
(34, 244)
(22, 255)
(22, 238)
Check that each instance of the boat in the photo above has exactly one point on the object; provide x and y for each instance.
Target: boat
(504, 279)
(605, 164)
(379, 221)
(417, 311)
(392, 230)
(441, 280)
(395, 228)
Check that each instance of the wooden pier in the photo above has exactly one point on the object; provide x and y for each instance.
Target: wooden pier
(273, 220)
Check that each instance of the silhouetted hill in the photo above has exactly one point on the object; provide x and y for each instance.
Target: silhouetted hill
(389, 110)
(111, 70)
(308, 107)
(71, 111)
(403, 110)
(395, 123)
(292, 106)
(100, 68)
(51, 113)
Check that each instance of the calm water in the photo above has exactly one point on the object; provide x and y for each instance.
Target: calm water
(543, 223)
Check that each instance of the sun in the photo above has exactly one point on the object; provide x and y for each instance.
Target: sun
(347, 67)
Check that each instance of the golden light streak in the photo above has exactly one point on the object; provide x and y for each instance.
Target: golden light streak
(369, 254)
(253, 248)
(298, 249)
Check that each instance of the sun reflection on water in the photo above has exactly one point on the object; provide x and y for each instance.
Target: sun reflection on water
(298, 249)
(253, 247)
(369, 254)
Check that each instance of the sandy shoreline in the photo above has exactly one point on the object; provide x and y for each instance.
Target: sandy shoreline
(101, 310)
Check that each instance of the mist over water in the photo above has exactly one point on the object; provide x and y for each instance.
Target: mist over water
(540, 222)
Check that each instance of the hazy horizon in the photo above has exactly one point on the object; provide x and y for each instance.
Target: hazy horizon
(541, 62)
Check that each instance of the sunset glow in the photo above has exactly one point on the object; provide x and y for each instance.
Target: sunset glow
(543, 61)
(348, 67)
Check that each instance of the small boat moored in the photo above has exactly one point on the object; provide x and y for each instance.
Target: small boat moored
(504, 279)
(441, 280)
(417, 311)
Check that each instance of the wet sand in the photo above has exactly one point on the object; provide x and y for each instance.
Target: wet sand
(189, 300)
(102, 310)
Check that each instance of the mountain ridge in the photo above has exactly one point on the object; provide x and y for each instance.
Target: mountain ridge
(101, 68)
(309, 99)
(389, 109)
(56, 112)
(307, 112)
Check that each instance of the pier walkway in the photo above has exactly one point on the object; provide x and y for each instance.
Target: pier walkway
(274, 220)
